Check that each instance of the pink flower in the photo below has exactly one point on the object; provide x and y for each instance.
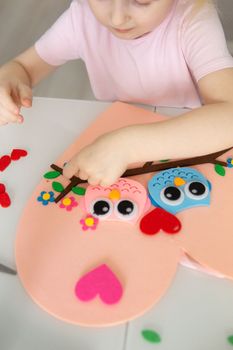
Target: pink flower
(89, 222)
(68, 203)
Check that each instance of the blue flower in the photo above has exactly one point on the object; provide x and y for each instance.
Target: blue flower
(46, 197)
(230, 163)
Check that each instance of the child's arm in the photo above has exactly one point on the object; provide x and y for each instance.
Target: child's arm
(198, 132)
(17, 78)
(201, 131)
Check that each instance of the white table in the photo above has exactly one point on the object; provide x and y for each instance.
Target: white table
(195, 314)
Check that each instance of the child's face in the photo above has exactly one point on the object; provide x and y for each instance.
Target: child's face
(130, 19)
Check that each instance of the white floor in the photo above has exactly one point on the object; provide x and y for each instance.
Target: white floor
(23, 21)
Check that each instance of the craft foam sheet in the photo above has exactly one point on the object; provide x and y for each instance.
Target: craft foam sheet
(113, 272)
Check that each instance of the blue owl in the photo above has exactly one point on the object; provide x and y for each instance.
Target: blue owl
(177, 189)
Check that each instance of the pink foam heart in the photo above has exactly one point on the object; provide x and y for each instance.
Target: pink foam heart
(100, 281)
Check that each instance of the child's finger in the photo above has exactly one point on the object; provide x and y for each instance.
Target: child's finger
(70, 169)
(94, 181)
(7, 102)
(12, 118)
(82, 175)
(7, 116)
(20, 119)
(3, 122)
(25, 95)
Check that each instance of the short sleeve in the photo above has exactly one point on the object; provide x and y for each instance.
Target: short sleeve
(204, 44)
(62, 42)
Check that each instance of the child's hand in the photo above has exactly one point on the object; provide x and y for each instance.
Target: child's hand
(14, 94)
(102, 162)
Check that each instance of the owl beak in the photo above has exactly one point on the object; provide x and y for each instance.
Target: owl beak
(114, 195)
(178, 181)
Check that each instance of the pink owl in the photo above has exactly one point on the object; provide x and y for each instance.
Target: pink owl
(125, 200)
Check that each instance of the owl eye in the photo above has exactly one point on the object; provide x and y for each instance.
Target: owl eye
(101, 208)
(126, 209)
(172, 195)
(196, 190)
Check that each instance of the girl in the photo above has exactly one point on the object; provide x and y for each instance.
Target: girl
(158, 52)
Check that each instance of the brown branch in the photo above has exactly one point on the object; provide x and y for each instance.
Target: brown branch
(149, 167)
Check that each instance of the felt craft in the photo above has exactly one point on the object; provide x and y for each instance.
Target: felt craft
(89, 222)
(68, 203)
(16, 154)
(100, 281)
(5, 200)
(149, 167)
(177, 189)
(57, 261)
(2, 188)
(4, 162)
(151, 336)
(230, 339)
(159, 219)
(126, 200)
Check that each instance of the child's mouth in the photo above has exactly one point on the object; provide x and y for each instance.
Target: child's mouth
(122, 30)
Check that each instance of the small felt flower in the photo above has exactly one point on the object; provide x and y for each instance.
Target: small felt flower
(230, 162)
(89, 222)
(68, 203)
(46, 197)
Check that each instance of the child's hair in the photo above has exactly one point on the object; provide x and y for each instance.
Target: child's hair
(198, 4)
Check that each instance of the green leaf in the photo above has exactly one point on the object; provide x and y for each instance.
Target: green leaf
(220, 170)
(57, 186)
(52, 175)
(151, 336)
(79, 190)
(164, 160)
(230, 339)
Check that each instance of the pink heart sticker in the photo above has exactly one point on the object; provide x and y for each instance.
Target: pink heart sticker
(100, 281)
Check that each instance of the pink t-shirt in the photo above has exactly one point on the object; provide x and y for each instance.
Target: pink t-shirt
(161, 68)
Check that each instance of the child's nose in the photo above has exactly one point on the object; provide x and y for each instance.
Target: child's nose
(119, 15)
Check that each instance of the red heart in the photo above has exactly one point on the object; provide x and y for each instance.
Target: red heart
(4, 162)
(159, 219)
(5, 201)
(16, 154)
(100, 281)
(2, 188)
